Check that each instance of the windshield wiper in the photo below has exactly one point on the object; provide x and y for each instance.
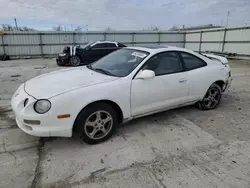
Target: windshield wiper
(102, 71)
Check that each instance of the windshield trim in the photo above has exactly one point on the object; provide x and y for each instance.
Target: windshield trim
(102, 71)
(86, 45)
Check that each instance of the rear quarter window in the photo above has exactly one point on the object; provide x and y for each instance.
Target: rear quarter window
(192, 62)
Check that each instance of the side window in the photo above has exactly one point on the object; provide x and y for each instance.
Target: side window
(121, 45)
(110, 45)
(164, 63)
(99, 45)
(191, 62)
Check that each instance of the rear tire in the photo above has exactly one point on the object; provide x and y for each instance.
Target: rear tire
(211, 99)
(97, 123)
(74, 61)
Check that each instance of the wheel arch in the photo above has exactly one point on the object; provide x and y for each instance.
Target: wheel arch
(109, 102)
(220, 83)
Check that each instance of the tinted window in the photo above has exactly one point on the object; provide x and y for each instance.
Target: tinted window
(110, 45)
(164, 63)
(100, 45)
(192, 62)
(121, 45)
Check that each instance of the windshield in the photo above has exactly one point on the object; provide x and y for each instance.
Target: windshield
(119, 63)
(86, 45)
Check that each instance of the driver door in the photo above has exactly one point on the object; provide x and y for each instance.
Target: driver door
(169, 87)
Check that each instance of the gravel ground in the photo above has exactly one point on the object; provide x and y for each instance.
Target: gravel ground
(184, 147)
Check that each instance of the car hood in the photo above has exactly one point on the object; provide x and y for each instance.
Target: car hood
(51, 84)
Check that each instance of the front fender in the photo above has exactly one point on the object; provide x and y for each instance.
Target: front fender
(73, 102)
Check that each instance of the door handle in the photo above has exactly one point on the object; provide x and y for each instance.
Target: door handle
(183, 80)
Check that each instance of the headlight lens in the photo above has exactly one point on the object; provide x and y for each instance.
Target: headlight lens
(42, 106)
(63, 54)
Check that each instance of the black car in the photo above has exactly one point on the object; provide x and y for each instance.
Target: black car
(91, 52)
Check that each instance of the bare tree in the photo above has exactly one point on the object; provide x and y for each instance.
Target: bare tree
(6, 27)
(57, 28)
(26, 29)
(152, 28)
(108, 29)
(78, 28)
(174, 28)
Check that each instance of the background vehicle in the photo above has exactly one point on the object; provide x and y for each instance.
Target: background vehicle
(126, 84)
(77, 55)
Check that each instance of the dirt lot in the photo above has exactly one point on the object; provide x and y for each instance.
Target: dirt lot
(185, 147)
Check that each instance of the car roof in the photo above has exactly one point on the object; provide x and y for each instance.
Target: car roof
(106, 41)
(158, 48)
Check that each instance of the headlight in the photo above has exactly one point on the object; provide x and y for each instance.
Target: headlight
(61, 55)
(42, 106)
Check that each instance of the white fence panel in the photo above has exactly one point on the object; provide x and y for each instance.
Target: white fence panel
(238, 35)
(22, 39)
(239, 48)
(193, 37)
(22, 50)
(55, 49)
(90, 37)
(144, 38)
(211, 47)
(192, 46)
(123, 38)
(1, 50)
(171, 37)
(213, 36)
(1, 47)
(57, 39)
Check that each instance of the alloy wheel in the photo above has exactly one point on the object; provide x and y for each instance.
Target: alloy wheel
(98, 124)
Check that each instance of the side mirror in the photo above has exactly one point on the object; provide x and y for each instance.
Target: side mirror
(145, 74)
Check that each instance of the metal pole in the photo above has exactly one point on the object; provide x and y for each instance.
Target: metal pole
(133, 39)
(104, 36)
(184, 40)
(3, 45)
(41, 43)
(16, 24)
(200, 41)
(74, 38)
(224, 38)
(159, 38)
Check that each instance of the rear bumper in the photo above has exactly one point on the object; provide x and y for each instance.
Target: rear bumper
(227, 84)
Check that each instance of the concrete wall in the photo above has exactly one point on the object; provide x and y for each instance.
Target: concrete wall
(51, 43)
(232, 40)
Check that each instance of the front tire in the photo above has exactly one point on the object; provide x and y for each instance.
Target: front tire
(74, 61)
(211, 99)
(97, 123)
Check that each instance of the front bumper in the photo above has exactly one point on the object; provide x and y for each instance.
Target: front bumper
(62, 60)
(47, 126)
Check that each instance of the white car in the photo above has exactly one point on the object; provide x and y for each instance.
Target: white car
(126, 84)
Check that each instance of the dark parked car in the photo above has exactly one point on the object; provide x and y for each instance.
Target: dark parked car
(77, 55)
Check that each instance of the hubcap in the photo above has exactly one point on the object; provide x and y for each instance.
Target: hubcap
(212, 98)
(74, 60)
(98, 124)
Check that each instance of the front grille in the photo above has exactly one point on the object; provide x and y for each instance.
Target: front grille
(26, 102)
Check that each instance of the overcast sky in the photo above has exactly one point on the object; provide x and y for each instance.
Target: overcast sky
(124, 14)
